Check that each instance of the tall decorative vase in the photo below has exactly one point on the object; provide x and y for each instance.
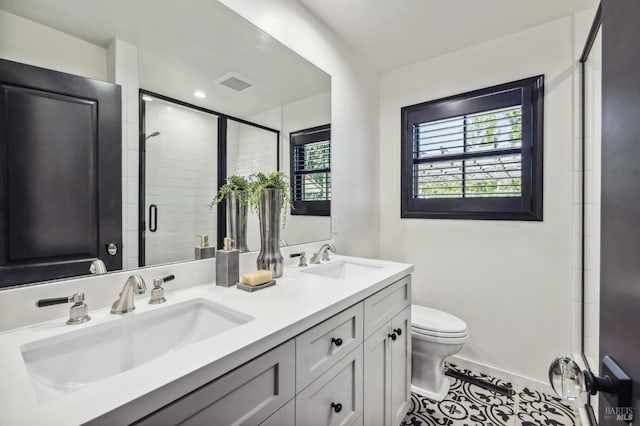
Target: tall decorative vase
(237, 219)
(270, 257)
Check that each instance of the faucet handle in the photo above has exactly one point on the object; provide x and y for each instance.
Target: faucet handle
(79, 311)
(157, 293)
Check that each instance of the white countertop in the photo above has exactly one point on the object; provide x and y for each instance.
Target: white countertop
(296, 303)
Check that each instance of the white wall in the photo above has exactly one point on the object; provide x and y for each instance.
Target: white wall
(181, 179)
(354, 120)
(25, 41)
(510, 281)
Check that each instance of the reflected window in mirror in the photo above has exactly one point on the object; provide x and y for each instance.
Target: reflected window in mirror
(310, 157)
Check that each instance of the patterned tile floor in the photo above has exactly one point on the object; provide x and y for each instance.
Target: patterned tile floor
(470, 405)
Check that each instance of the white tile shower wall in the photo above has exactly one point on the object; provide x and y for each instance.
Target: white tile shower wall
(122, 66)
(592, 175)
(510, 281)
(591, 301)
(354, 115)
(181, 180)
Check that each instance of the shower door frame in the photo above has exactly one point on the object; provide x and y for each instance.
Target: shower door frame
(596, 27)
(221, 166)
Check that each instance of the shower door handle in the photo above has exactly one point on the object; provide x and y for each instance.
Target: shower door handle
(153, 218)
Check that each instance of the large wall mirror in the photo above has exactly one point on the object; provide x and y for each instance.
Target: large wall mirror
(199, 64)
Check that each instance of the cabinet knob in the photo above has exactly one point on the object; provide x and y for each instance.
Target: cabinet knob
(337, 407)
(393, 336)
(398, 331)
(337, 342)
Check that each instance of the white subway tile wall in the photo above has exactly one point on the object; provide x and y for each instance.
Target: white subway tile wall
(122, 60)
(181, 179)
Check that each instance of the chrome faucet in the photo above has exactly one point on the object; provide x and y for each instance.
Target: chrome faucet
(323, 253)
(126, 302)
(97, 267)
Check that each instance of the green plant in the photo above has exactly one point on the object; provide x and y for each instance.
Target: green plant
(234, 183)
(278, 180)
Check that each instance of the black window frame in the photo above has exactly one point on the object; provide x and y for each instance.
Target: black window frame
(304, 137)
(528, 207)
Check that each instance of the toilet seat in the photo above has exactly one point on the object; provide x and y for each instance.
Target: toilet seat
(430, 324)
(430, 333)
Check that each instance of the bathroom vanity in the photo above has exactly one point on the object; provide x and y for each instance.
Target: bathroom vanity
(329, 344)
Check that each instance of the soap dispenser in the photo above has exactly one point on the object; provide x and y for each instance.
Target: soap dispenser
(227, 265)
(204, 251)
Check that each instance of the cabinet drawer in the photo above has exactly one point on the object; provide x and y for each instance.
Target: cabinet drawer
(342, 384)
(385, 304)
(247, 395)
(286, 416)
(318, 348)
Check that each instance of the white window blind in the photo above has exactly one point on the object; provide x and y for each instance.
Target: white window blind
(469, 156)
(311, 165)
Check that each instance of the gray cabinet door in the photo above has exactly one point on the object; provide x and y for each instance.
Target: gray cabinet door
(400, 366)
(247, 395)
(335, 398)
(377, 378)
(385, 304)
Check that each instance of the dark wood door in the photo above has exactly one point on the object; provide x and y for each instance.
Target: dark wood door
(620, 232)
(60, 174)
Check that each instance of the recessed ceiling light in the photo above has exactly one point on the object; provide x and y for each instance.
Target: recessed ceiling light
(147, 98)
(199, 94)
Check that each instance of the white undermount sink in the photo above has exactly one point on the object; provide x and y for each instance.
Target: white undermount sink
(65, 363)
(343, 269)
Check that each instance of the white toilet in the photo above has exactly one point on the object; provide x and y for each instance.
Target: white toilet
(435, 335)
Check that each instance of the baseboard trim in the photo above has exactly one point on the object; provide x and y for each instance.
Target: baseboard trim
(508, 376)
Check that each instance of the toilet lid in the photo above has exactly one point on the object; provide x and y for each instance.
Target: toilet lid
(433, 320)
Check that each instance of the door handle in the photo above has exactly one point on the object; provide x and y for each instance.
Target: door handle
(568, 381)
(153, 218)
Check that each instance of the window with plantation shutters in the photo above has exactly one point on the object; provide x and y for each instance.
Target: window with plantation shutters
(477, 155)
(310, 155)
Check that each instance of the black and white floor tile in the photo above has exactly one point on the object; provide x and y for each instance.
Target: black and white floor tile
(471, 405)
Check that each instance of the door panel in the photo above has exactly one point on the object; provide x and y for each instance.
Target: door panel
(52, 178)
(377, 378)
(60, 174)
(620, 244)
(401, 366)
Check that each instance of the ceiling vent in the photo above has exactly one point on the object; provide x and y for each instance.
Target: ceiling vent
(236, 82)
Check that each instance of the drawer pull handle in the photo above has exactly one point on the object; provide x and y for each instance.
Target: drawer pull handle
(393, 336)
(337, 342)
(336, 407)
(398, 331)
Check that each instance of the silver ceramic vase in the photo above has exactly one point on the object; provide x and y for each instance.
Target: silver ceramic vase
(270, 257)
(237, 219)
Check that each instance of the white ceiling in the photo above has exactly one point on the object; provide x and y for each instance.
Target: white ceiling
(390, 34)
(187, 45)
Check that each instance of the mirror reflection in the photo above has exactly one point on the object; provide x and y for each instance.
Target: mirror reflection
(217, 62)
